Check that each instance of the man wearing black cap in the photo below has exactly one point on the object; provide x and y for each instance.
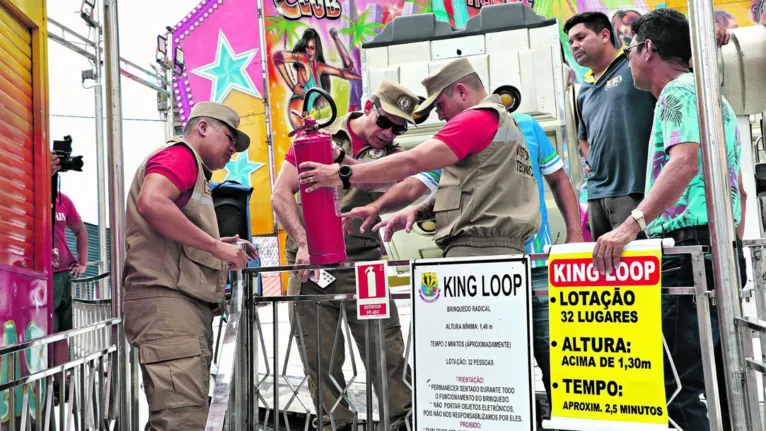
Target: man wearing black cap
(176, 266)
(486, 202)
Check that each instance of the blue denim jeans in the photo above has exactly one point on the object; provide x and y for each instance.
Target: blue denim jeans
(681, 330)
(540, 329)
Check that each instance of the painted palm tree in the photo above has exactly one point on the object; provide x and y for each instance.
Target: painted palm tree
(358, 30)
(286, 29)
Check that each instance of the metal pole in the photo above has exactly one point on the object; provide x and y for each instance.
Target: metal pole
(759, 277)
(239, 406)
(383, 417)
(368, 423)
(707, 348)
(720, 217)
(276, 410)
(116, 204)
(101, 189)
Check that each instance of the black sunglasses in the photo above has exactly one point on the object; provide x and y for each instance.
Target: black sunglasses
(384, 123)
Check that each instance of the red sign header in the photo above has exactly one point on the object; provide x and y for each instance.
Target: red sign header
(632, 271)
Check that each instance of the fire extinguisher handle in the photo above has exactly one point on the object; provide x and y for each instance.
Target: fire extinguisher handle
(327, 97)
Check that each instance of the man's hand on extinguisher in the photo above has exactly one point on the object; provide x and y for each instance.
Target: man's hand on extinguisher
(302, 258)
(404, 219)
(318, 175)
(368, 214)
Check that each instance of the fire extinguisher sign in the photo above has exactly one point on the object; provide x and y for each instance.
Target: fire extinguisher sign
(372, 291)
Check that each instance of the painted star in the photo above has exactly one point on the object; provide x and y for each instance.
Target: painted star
(239, 170)
(228, 71)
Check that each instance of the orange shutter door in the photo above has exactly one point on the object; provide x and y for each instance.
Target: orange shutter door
(16, 173)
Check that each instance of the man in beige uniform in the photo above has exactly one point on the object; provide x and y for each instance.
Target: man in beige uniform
(176, 266)
(486, 202)
(359, 137)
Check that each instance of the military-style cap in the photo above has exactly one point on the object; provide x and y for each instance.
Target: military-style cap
(449, 74)
(225, 115)
(397, 100)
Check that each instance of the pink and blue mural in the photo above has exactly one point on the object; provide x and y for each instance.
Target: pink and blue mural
(25, 315)
(221, 42)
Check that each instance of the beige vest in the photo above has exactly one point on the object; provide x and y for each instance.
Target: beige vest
(356, 243)
(489, 199)
(151, 260)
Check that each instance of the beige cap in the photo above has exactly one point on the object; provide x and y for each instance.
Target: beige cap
(225, 115)
(449, 74)
(397, 100)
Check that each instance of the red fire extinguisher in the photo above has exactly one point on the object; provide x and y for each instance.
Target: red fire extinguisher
(321, 208)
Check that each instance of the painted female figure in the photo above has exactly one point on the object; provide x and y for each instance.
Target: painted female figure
(307, 58)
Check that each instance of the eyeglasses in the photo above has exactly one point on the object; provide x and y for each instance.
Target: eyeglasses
(630, 49)
(384, 123)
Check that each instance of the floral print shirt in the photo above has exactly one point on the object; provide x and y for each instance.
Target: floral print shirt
(676, 122)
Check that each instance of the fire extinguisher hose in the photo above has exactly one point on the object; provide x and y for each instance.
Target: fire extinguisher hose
(330, 101)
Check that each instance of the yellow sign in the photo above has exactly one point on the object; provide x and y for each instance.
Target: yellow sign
(606, 340)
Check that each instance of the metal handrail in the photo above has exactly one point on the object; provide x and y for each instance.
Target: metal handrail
(233, 383)
(90, 279)
(65, 335)
(56, 369)
(675, 250)
(232, 343)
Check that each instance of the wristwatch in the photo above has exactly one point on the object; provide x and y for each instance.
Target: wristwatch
(638, 216)
(345, 175)
(340, 158)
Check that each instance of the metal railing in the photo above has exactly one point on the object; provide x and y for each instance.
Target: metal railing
(274, 390)
(85, 392)
(91, 303)
(757, 325)
(229, 407)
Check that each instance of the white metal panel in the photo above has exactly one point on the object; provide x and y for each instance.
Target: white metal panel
(409, 53)
(516, 40)
(481, 64)
(375, 57)
(375, 76)
(504, 69)
(543, 36)
(545, 87)
(743, 64)
(457, 47)
(529, 83)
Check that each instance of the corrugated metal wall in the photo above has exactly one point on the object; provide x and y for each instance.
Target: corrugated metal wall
(17, 186)
(93, 252)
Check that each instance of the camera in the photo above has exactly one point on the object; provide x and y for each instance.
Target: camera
(63, 149)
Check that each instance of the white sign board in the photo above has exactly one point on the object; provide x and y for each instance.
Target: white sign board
(372, 298)
(472, 338)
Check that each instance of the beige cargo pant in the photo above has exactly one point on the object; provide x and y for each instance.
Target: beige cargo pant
(399, 394)
(174, 337)
(463, 251)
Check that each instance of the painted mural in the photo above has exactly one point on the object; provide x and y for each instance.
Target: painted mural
(25, 314)
(221, 42)
(318, 44)
(25, 286)
(729, 13)
(308, 44)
